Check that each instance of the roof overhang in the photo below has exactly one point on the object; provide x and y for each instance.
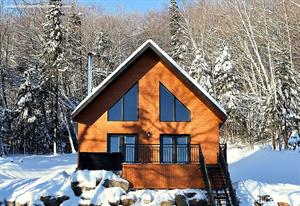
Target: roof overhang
(167, 60)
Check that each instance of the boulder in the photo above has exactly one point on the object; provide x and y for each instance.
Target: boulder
(190, 194)
(116, 183)
(147, 197)
(283, 204)
(167, 203)
(117, 203)
(78, 189)
(13, 203)
(180, 200)
(53, 201)
(127, 201)
(197, 202)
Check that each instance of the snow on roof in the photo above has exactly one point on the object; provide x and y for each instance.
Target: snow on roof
(164, 56)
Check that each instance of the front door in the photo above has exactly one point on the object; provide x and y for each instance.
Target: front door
(174, 149)
(125, 144)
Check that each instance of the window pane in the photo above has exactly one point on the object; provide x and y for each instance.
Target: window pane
(166, 105)
(182, 149)
(115, 143)
(182, 113)
(167, 149)
(115, 112)
(129, 148)
(130, 104)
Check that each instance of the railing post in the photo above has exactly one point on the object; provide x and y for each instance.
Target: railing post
(206, 178)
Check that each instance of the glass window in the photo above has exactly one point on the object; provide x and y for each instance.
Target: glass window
(130, 104)
(182, 149)
(125, 144)
(129, 142)
(166, 104)
(115, 143)
(175, 149)
(115, 112)
(182, 113)
(171, 109)
(126, 108)
(167, 149)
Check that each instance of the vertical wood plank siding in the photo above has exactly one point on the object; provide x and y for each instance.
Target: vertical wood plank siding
(163, 176)
(148, 70)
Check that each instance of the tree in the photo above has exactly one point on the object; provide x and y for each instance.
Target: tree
(103, 63)
(175, 32)
(75, 75)
(225, 81)
(53, 61)
(201, 72)
(29, 128)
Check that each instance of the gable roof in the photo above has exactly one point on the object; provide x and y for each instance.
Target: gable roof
(166, 59)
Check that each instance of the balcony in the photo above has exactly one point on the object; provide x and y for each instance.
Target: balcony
(163, 154)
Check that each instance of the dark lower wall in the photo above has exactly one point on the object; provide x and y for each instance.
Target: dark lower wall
(100, 161)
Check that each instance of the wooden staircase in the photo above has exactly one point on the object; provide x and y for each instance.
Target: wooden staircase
(218, 184)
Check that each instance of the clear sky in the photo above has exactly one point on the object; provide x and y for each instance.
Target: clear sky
(126, 5)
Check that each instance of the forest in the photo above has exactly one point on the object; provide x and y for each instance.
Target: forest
(245, 53)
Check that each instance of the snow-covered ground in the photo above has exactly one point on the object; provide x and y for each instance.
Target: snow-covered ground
(262, 171)
(255, 171)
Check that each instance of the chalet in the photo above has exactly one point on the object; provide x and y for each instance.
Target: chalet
(153, 122)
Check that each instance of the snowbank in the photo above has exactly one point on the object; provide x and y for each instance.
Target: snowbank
(267, 165)
(263, 171)
(248, 191)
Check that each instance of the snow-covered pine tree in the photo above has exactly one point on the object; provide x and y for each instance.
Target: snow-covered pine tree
(287, 96)
(225, 81)
(103, 64)
(201, 72)
(53, 61)
(175, 32)
(29, 128)
(74, 57)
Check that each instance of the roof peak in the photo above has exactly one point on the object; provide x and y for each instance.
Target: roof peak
(123, 66)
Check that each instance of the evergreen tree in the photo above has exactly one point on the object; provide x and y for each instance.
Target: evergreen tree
(287, 96)
(225, 81)
(201, 72)
(53, 62)
(29, 127)
(74, 57)
(103, 63)
(175, 32)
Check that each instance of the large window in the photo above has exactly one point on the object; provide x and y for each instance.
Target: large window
(171, 109)
(174, 149)
(125, 144)
(126, 108)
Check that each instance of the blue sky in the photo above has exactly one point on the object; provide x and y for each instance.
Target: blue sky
(126, 5)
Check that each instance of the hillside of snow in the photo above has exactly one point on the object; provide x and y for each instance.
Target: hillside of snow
(254, 171)
(263, 171)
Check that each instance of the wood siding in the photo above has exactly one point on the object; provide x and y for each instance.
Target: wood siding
(163, 176)
(149, 71)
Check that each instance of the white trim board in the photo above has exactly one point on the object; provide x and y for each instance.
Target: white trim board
(166, 58)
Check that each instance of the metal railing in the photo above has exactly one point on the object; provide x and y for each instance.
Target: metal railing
(222, 158)
(165, 153)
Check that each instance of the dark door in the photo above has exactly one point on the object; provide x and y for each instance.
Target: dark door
(125, 144)
(174, 149)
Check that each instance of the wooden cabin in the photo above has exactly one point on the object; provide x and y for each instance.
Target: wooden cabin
(151, 120)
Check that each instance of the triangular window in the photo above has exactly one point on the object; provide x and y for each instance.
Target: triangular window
(126, 108)
(171, 109)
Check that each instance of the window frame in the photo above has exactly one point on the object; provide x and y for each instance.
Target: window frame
(122, 105)
(122, 145)
(174, 153)
(174, 107)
